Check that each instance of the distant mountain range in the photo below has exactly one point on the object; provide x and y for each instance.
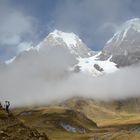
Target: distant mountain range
(123, 49)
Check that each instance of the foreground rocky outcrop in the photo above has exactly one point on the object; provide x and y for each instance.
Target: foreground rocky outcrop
(11, 128)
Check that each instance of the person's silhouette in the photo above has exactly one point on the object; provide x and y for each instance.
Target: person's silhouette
(7, 105)
(1, 106)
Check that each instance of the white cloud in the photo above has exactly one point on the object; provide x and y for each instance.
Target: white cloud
(16, 29)
(13, 26)
(41, 77)
(9, 39)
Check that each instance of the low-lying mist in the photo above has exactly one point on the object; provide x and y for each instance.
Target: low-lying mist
(44, 77)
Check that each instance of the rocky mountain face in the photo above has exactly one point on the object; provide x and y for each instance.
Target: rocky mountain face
(124, 46)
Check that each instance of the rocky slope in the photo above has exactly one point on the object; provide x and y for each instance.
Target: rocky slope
(11, 128)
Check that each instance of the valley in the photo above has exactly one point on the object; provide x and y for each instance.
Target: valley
(83, 119)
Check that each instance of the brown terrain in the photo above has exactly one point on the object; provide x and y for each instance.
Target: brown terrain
(74, 119)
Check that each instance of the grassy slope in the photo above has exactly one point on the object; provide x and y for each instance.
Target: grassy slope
(11, 128)
(99, 120)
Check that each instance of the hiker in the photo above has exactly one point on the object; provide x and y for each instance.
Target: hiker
(7, 105)
(1, 106)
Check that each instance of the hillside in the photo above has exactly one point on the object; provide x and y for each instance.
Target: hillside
(84, 119)
(11, 128)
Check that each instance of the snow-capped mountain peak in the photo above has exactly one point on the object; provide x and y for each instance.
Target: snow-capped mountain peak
(68, 41)
(133, 23)
(68, 38)
(121, 34)
(124, 46)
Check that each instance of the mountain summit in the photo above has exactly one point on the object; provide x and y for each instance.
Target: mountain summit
(68, 41)
(124, 46)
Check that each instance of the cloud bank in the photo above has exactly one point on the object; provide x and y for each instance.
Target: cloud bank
(43, 77)
(15, 28)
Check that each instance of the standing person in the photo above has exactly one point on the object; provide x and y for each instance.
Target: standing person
(1, 106)
(7, 105)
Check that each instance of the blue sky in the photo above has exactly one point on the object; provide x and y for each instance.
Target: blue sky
(26, 22)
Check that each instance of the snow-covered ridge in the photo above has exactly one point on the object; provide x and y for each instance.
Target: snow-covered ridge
(133, 23)
(123, 30)
(10, 60)
(61, 39)
(96, 67)
(87, 62)
(68, 41)
(68, 38)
